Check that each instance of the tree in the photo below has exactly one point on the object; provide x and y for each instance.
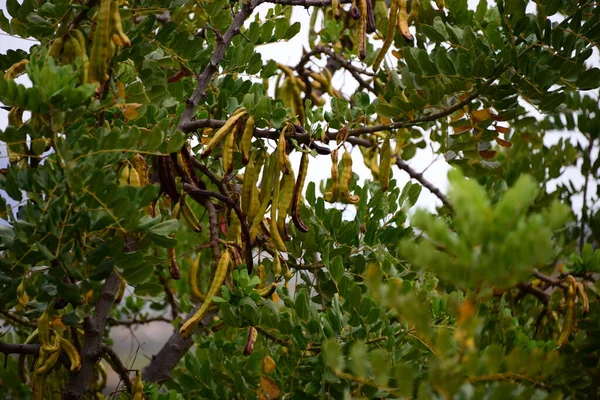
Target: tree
(135, 176)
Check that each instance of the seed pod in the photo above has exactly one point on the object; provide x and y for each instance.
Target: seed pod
(389, 36)
(124, 176)
(569, 320)
(298, 188)
(101, 46)
(362, 30)
(119, 37)
(250, 341)
(72, 353)
(246, 141)
(22, 295)
(346, 178)
(370, 17)
(337, 13)
(141, 167)
(189, 327)
(44, 332)
(185, 159)
(322, 150)
(137, 387)
(166, 177)
(403, 21)
(122, 287)
(56, 48)
(174, 270)
(85, 62)
(277, 240)
(288, 184)
(267, 290)
(47, 359)
(276, 264)
(228, 148)
(230, 125)
(134, 178)
(266, 188)
(16, 69)
(385, 164)
(250, 202)
(234, 233)
(332, 195)
(189, 216)
(193, 279)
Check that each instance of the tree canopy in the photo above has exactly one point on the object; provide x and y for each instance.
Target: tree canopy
(152, 177)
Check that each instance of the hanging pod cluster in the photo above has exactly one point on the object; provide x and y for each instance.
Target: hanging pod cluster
(108, 33)
(49, 377)
(340, 189)
(379, 160)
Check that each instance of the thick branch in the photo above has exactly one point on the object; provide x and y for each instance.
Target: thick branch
(163, 362)
(12, 348)
(91, 351)
(418, 176)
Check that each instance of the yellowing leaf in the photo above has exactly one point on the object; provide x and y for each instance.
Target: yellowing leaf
(481, 115)
(269, 388)
(269, 364)
(503, 143)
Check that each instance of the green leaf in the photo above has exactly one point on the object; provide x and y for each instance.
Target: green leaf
(175, 142)
(590, 79)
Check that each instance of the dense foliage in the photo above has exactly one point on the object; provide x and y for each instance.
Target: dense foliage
(149, 161)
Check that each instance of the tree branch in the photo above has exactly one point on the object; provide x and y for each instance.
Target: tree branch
(91, 351)
(16, 319)
(272, 134)
(418, 176)
(117, 365)
(163, 362)
(221, 46)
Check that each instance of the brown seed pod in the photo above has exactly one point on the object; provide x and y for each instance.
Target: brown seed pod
(250, 341)
(167, 177)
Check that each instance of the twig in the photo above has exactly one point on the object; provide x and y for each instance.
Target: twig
(347, 65)
(548, 279)
(91, 351)
(199, 195)
(537, 292)
(210, 175)
(16, 319)
(421, 179)
(117, 365)
(584, 208)
(168, 293)
(113, 322)
(272, 337)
